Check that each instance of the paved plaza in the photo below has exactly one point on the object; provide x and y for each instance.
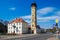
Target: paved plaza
(44, 36)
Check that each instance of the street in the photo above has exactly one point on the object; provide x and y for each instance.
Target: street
(43, 36)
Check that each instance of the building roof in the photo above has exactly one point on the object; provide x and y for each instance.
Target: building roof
(34, 4)
(17, 20)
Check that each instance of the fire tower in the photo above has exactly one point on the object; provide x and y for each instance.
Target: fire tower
(33, 18)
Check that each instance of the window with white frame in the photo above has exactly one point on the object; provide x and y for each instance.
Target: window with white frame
(8, 27)
(17, 23)
(11, 27)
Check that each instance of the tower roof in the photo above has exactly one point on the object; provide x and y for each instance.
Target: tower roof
(34, 4)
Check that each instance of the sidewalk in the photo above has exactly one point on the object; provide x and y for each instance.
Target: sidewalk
(54, 38)
(15, 36)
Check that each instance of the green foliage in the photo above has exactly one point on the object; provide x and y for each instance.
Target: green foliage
(3, 28)
(54, 29)
(59, 29)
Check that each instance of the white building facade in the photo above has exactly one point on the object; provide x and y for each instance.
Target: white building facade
(17, 26)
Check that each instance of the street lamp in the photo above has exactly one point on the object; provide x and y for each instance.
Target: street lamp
(57, 24)
(57, 20)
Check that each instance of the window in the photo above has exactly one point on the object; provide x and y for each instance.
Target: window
(10, 24)
(17, 23)
(14, 23)
(16, 29)
(33, 20)
(19, 27)
(10, 27)
(32, 15)
(32, 25)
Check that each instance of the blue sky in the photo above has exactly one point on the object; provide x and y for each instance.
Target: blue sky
(47, 11)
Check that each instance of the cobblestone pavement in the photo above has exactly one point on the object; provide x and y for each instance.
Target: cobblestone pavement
(44, 36)
(27, 37)
(56, 37)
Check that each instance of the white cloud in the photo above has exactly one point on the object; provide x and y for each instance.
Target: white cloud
(57, 13)
(26, 17)
(43, 21)
(28, 21)
(46, 10)
(47, 19)
(40, 19)
(13, 8)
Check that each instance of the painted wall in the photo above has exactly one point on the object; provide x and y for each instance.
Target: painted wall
(24, 28)
(19, 28)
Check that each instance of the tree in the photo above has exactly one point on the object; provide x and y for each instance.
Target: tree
(3, 28)
(38, 26)
(54, 29)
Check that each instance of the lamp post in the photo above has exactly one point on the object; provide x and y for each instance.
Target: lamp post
(57, 24)
(57, 31)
